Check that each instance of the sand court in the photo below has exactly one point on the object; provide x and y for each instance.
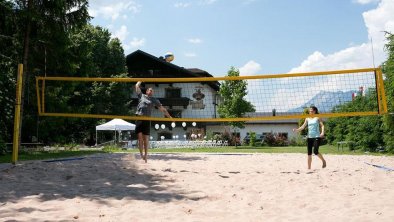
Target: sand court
(199, 187)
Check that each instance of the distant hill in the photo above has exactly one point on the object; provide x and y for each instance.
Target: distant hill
(325, 100)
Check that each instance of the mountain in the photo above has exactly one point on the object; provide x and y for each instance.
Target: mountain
(325, 101)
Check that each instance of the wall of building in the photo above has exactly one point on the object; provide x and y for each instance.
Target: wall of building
(207, 109)
(204, 108)
(259, 128)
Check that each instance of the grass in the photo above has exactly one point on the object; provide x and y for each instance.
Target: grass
(44, 155)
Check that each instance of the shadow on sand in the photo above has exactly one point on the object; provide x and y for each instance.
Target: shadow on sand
(97, 178)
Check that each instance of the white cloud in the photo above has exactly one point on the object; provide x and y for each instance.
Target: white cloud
(136, 42)
(121, 34)
(349, 58)
(113, 10)
(377, 21)
(250, 68)
(364, 2)
(181, 5)
(190, 54)
(247, 2)
(207, 2)
(286, 93)
(200, 3)
(195, 40)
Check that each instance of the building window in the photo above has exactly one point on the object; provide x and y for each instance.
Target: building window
(175, 113)
(173, 92)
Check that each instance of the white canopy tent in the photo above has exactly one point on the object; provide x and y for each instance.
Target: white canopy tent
(115, 125)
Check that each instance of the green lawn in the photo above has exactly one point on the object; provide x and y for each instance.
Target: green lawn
(325, 149)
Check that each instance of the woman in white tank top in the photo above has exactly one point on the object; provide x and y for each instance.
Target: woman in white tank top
(314, 135)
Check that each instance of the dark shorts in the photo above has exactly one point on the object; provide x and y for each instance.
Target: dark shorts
(142, 126)
(313, 143)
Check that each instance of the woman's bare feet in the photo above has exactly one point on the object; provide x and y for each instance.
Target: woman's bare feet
(145, 158)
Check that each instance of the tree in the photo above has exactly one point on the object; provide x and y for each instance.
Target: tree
(8, 63)
(233, 104)
(91, 53)
(388, 70)
(301, 122)
(366, 131)
(54, 38)
(45, 22)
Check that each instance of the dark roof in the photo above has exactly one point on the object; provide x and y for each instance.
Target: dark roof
(200, 72)
(144, 65)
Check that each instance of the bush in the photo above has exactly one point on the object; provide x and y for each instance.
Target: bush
(71, 147)
(111, 148)
(217, 137)
(298, 140)
(3, 147)
(273, 139)
(227, 136)
(252, 139)
(259, 144)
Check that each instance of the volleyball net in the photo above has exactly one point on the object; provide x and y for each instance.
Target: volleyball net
(203, 99)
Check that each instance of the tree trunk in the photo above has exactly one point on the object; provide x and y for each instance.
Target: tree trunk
(26, 47)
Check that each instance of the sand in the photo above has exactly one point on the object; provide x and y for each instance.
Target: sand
(199, 187)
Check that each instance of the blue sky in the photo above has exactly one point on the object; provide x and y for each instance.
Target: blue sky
(256, 36)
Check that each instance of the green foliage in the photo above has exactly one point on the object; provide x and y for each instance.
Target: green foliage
(111, 149)
(9, 57)
(93, 53)
(303, 132)
(3, 148)
(366, 132)
(388, 70)
(233, 103)
(297, 140)
(61, 43)
(71, 147)
(252, 141)
(36, 34)
(209, 135)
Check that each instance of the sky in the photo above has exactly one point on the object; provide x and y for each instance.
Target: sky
(255, 36)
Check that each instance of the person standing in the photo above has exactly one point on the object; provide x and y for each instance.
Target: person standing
(146, 102)
(314, 135)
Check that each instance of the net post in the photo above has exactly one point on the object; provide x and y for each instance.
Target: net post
(43, 96)
(17, 114)
(38, 96)
(383, 99)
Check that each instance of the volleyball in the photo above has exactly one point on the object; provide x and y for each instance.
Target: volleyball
(169, 56)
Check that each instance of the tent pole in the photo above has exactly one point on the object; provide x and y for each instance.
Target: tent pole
(96, 137)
